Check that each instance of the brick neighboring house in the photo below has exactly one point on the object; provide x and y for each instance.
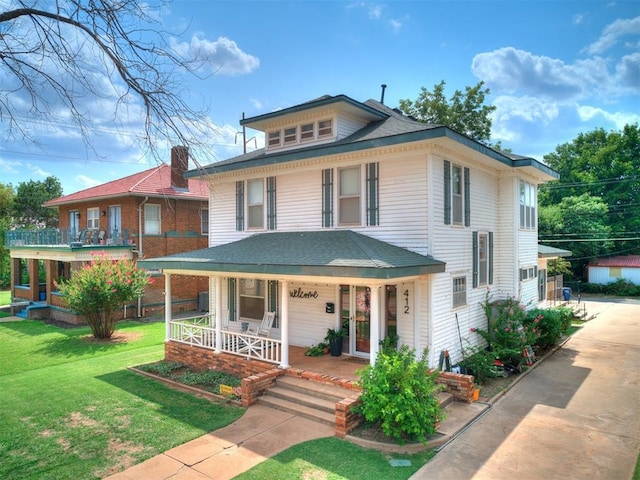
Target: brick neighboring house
(153, 213)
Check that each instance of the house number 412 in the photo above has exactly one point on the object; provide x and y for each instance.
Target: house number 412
(406, 302)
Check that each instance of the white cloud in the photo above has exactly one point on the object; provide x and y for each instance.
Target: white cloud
(396, 25)
(577, 19)
(619, 119)
(375, 12)
(9, 166)
(36, 170)
(628, 72)
(612, 34)
(87, 182)
(256, 103)
(512, 71)
(221, 57)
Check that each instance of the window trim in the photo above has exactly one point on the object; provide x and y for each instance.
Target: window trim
(249, 205)
(204, 214)
(527, 202)
(147, 220)
(461, 279)
(341, 196)
(93, 215)
(290, 135)
(274, 138)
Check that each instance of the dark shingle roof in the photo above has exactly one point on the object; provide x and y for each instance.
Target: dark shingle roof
(333, 253)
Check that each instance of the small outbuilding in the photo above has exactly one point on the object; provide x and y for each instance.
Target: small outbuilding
(607, 270)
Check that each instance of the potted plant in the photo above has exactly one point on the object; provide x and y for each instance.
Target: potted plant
(334, 339)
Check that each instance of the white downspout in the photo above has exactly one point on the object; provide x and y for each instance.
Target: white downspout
(146, 199)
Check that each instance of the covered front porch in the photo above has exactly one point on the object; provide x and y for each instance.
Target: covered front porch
(311, 282)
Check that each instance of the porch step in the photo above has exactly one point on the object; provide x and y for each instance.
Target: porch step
(306, 398)
(445, 399)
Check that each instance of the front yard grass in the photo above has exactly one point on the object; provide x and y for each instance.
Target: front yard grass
(70, 409)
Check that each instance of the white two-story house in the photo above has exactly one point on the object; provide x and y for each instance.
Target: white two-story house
(355, 216)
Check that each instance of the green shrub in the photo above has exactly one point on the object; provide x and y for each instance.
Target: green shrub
(208, 378)
(162, 368)
(400, 394)
(620, 288)
(549, 323)
(478, 362)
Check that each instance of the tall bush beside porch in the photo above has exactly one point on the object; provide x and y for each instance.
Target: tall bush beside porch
(100, 287)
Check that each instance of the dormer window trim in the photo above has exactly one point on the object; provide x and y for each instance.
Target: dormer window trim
(274, 139)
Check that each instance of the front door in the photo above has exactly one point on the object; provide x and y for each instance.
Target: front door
(355, 308)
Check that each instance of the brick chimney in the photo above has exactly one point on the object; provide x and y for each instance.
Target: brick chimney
(179, 165)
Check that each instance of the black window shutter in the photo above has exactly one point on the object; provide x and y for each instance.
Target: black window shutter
(490, 259)
(232, 299)
(447, 192)
(475, 259)
(327, 198)
(240, 206)
(372, 194)
(467, 197)
(273, 298)
(271, 203)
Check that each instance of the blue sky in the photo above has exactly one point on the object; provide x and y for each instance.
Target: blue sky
(555, 69)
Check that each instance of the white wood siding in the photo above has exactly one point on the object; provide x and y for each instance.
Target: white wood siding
(308, 322)
(602, 275)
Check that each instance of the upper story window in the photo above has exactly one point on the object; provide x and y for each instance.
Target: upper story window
(457, 195)
(482, 258)
(290, 135)
(274, 138)
(152, 224)
(204, 221)
(325, 128)
(349, 196)
(527, 206)
(255, 203)
(93, 218)
(306, 132)
(302, 133)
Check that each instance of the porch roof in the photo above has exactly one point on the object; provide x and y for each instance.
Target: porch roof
(332, 253)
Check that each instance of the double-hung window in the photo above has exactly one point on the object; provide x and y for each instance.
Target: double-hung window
(457, 195)
(325, 128)
(93, 218)
(459, 292)
(152, 219)
(482, 259)
(527, 206)
(255, 203)
(306, 132)
(290, 135)
(252, 298)
(274, 138)
(204, 221)
(349, 196)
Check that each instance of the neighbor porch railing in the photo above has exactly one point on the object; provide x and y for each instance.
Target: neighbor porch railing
(65, 237)
(200, 331)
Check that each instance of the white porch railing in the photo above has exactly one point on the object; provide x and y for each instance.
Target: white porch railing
(200, 331)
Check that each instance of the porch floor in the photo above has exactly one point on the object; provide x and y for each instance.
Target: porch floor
(344, 366)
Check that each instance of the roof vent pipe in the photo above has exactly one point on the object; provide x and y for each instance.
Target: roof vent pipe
(382, 96)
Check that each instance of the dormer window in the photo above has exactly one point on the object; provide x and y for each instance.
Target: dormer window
(290, 136)
(306, 132)
(325, 128)
(274, 138)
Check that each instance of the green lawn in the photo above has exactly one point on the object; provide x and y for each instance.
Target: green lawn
(5, 297)
(70, 409)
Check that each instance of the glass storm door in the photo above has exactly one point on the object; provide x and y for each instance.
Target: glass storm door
(355, 308)
(115, 224)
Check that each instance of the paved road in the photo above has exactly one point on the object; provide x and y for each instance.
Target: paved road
(575, 416)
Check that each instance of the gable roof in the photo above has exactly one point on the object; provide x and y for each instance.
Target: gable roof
(330, 253)
(392, 128)
(629, 261)
(154, 182)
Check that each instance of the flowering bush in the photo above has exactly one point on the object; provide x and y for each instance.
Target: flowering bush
(100, 287)
(550, 323)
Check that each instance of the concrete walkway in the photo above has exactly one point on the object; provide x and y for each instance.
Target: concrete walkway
(577, 415)
(259, 434)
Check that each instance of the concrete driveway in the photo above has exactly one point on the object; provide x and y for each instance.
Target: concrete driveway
(576, 416)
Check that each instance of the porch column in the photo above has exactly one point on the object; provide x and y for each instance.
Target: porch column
(284, 323)
(218, 312)
(374, 338)
(167, 306)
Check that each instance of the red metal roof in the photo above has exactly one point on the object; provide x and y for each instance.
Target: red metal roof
(629, 261)
(154, 182)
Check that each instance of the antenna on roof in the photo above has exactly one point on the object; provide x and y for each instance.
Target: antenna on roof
(244, 138)
(384, 86)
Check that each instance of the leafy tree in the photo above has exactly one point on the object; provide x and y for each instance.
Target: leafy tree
(28, 210)
(605, 165)
(6, 207)
(98, 289)
(64, 51)
(465, 112)
(579, 222)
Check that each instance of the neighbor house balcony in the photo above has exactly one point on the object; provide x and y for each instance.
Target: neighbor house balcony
(60, 237)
